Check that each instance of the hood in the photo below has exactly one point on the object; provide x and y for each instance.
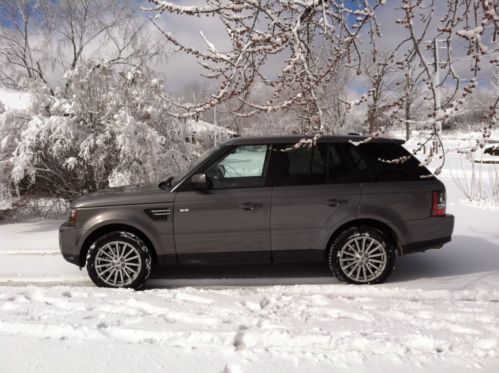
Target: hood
(126, 195)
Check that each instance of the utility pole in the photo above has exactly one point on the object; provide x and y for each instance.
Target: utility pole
(436, 83)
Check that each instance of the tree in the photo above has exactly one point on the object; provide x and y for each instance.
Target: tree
(106, 127)
(315, 38)
(38, 38)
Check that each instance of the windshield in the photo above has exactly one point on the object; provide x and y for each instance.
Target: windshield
(193, 165)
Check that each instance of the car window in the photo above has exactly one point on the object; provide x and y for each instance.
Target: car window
(243, 167)
(299, 166)
(378, 162)
(339, 168)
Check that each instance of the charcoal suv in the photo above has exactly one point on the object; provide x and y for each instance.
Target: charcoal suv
(262, 200)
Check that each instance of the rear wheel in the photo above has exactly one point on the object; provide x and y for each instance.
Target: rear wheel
(362, 255)
(119, 260)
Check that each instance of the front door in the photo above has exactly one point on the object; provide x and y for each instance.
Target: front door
(229, 222)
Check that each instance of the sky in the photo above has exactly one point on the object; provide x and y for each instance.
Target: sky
(182, 73)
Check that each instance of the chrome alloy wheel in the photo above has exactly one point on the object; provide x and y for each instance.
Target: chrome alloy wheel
(118, 263)
(362, 259)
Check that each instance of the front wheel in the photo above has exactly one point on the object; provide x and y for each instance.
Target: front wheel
(119, 260)
(362, 255)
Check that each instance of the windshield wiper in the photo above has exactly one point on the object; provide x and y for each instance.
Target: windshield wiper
(166, 183)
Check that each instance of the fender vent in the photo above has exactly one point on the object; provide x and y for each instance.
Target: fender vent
(158, 214)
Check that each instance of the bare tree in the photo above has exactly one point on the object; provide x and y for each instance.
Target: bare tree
(313, 39)
(39, 36)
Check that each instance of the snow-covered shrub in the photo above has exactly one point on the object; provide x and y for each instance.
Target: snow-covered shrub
(480, 182)
(105, 127)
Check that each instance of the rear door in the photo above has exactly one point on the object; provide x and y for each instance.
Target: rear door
(230, 222)
(313, 193)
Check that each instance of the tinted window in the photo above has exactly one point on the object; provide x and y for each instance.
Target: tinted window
(299, 166)
(338, 164)
(243, 167)
(381, 162)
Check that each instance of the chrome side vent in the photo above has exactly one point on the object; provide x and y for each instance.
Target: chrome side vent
(159, 213)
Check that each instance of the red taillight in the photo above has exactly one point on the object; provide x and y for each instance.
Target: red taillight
(438, 205)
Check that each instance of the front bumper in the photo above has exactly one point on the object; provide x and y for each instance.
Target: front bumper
(425, 234)
(68, 244)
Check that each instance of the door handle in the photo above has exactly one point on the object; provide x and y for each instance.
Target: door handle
(249, 206)
(336, 202)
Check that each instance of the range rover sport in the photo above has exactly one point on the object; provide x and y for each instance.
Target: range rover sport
(262, 200)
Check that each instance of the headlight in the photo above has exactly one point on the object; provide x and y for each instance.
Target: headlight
(71, 215)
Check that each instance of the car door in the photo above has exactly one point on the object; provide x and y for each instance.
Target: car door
(229, 222)
(313, 194)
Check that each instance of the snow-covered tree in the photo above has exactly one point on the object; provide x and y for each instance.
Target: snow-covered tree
(307, 41)
(105, 127)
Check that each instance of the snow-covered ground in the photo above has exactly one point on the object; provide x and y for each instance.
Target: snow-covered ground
(438, 312)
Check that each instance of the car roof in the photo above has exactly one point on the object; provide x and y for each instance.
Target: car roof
(295, 138)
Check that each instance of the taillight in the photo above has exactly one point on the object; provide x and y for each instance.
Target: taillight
(438, 205)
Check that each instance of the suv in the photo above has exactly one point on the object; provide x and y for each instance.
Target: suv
(266, 199)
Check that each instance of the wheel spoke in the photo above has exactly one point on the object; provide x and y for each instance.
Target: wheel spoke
(357, 275)
(364, 271)
(104, 260)
(377, 248)
(368, 267)
(132, 258)
(103, 252)
(105, 265)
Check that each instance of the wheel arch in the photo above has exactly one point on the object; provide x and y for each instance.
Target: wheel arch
(378, 224)
(114, 227)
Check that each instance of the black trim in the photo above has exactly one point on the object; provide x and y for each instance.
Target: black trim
(244, 257)
(221, 258)
(415, 247)
(73, 259)
(290, 256)
(167, 260)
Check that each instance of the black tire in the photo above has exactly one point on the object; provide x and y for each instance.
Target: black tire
(141, 265)
(371, 269)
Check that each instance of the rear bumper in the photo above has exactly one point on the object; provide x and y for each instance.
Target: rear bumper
(68, 244)
(425, 234)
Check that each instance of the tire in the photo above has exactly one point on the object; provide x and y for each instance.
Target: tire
(119, 260)
(348, 263)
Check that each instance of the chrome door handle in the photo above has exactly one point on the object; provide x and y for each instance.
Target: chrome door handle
(336, 202)
(249, 206)
(183, 210)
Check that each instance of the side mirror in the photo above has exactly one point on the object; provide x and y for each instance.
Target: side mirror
(199, 182)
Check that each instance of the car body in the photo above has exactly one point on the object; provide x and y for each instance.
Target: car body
(269, 199)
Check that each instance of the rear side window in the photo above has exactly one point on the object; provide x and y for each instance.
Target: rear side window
(323, 163)
(377, 162)
(299, 166)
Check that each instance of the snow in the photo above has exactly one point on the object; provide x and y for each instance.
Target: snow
(14, 100)
(439, 312)
(201, 126)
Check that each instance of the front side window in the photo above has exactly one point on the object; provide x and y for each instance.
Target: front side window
(243, 167)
